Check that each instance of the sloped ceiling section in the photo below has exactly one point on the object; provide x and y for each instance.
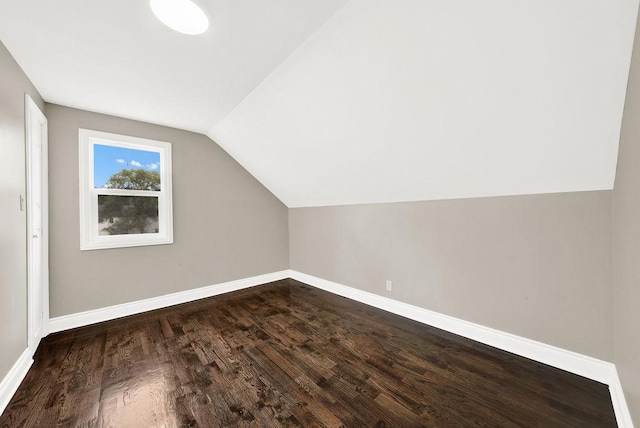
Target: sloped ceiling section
(417, 100)
(115, 57)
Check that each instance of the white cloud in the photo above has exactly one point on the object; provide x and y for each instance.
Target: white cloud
(135, 163)
(153, 166)
(121, 161)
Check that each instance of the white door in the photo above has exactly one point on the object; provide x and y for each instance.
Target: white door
(37, 219)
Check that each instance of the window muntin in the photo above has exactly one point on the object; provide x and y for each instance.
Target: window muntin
(125, 191)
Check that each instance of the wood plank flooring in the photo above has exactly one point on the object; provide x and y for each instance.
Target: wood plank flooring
(286, 354)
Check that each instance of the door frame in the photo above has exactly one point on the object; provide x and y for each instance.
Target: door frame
(33, 113)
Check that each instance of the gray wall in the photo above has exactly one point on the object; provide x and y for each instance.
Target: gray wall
(537, 266)
(13, 227)
(626, 244)
(226, 224)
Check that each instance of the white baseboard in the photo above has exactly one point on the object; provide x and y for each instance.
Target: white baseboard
(12, 380)
(591, 368)
(82, 319)
(623, 415)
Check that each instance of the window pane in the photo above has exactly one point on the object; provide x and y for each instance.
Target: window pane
(122, 168)
(123, 215)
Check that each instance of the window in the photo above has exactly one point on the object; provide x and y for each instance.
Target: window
(125, 191)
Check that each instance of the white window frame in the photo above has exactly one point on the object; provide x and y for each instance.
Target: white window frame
(89, 237)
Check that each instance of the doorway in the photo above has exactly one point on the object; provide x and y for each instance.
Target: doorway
(37, 223)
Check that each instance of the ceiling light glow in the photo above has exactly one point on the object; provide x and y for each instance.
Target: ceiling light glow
(183, 16)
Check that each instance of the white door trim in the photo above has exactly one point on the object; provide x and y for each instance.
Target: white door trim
(35, 289)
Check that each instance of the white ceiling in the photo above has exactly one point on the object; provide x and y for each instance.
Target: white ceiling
(418, 100)
(115, 57)
(372, 101)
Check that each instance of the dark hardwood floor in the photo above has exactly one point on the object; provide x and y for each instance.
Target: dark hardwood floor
(286, 354)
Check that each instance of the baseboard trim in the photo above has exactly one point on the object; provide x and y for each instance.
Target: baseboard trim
(591, 368)
(82, 319)
(623, 415)
(12, 380)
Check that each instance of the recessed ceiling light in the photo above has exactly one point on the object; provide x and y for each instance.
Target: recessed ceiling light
(183, 16)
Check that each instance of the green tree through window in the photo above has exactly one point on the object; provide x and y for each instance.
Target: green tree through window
(130, 214)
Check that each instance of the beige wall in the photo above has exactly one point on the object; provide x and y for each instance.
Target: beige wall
(13, 226)
(626, 244)
(536, 266)
(226, 224)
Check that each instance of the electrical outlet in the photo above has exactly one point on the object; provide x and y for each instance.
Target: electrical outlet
(389, 285)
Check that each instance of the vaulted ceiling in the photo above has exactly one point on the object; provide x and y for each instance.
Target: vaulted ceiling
(338, 102)
(115, 57)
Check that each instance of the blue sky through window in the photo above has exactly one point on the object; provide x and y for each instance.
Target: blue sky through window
(107, 160)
